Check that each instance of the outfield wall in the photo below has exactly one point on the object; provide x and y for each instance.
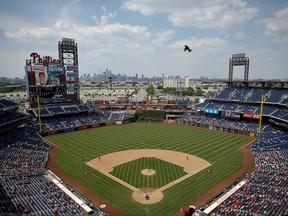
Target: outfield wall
(82, 127)
(213, 127)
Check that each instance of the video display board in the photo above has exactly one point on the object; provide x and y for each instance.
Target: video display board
(211, 111)
(46, 79)
(45, 75)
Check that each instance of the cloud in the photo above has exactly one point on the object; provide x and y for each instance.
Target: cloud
(30, 34)
(277, 25)
(139, 6)
(105, 17)
(200, 14)
(83, 33)
(9, 22)
(240, 35)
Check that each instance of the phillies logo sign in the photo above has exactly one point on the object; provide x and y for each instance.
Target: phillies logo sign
(45, 60)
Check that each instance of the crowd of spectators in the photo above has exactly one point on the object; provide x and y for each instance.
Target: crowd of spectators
(10, 117)
(71, 121)
(24, 186)
(24, 136)
(268, 110)
(266, 188)
(271, 95)
(38, 195)
(222, 122)
(21, 162)
(265, 191)
(247, 100)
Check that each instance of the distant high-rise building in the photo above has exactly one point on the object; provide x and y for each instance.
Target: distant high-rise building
(186, 81)
(176, 82)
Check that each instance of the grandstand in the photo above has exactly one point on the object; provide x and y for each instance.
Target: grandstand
(22, 143)
(238, 111)
(27, 187)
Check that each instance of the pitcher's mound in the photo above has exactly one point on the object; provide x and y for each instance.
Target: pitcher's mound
(148, 172)
(147, 196)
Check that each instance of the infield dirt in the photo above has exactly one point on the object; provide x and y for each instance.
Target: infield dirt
(190, 163)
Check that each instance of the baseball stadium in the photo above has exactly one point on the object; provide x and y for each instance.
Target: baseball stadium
(227, 155)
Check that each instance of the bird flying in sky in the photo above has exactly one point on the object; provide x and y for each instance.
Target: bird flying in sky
(186, 48)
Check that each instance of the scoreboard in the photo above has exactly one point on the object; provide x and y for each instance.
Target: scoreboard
(53, 83)
(46, 91)
(44, 80)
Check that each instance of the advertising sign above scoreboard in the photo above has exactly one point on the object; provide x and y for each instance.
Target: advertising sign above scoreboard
(72, 68)
(56, 68)
(241, 55)
(44, 60)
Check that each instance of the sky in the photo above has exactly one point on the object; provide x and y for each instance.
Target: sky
(148, 36)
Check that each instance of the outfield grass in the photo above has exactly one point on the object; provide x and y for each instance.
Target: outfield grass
(82, 146)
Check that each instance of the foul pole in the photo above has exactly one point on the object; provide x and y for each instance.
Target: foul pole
(260, 117)
(39, 115)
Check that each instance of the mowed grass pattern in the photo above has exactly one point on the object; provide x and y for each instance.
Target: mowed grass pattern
(81, 146)
(165, 172)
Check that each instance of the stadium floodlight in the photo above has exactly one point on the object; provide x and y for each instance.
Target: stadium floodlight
(239, 60)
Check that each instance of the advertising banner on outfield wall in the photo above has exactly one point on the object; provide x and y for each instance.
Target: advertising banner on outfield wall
(251, 115)
(118, 122)
(102, 124)
(169, 121)
(69, 130)
(95, 125)
(82, 127)
(109, 123)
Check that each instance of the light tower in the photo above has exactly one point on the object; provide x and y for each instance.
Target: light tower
(68, 55)
(239, 60)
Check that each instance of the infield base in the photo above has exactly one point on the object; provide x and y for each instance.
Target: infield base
(154, 195)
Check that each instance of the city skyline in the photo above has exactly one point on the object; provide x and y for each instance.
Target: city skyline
(148, 37)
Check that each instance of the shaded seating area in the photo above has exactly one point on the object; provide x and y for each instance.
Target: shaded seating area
(7, 105)
(38, 195)
(11, 117)
(25, 136)
(24, 186)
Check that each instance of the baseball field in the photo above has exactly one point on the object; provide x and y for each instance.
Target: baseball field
(146, 168)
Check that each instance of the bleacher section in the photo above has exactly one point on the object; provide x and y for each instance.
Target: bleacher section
(83, 119)
(205, 121)
(72, 109)
(7, 105)
(38, 195)
(24, 186)
(253, 95)
(8, 118)
(266, 189)
(61, 110)
(248, 100)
